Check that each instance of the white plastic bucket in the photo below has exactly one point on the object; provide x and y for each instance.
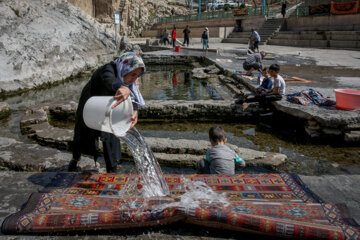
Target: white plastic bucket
(99, 115)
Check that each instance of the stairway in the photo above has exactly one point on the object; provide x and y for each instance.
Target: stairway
(266, 31)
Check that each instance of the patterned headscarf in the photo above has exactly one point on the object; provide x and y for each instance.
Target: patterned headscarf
(126, 63)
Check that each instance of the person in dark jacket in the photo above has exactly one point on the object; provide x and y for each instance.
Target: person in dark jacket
(113, 79)
(186, 36)
(283, 9)
(266, 83)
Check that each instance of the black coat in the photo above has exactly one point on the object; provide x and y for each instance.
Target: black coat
(100, 84)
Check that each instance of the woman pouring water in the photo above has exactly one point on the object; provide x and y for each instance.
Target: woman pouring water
(117, 79)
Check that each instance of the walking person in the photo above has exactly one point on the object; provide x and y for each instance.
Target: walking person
(204, 40)
(173, 36)
(186, 36)
(283, 9)
(117, 79)
(255, 40)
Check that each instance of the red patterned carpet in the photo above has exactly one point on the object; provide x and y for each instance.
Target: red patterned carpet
(270, 204)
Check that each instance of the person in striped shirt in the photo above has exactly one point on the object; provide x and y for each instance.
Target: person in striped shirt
(253, 62)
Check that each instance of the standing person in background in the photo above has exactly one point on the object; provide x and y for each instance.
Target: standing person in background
(208, 34)
(166, 36)
(118, 79)
(173, 11)
(186, 36)
(255, 40)
(204, 40)
(283, 9)
(173, 36)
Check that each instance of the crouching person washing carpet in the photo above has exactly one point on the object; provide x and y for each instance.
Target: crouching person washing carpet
(117, 79)
(220, 159)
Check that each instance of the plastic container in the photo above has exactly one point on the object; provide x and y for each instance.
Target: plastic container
(177, 48)
(347, 99)
(99, 115)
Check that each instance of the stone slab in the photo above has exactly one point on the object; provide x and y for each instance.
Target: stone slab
(21, 156)
(337, 189)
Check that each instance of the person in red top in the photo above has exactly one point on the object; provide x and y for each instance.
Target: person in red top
(173, 36)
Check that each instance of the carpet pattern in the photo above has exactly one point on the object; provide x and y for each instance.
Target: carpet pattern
(271, 204)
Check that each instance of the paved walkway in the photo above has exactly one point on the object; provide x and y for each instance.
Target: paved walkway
(322, 57)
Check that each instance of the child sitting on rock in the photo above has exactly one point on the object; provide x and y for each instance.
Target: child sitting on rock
(220, 159)
(266, 84)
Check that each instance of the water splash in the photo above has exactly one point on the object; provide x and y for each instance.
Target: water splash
(152, 179)
(197, 195)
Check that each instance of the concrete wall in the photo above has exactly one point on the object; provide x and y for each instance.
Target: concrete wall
(198, 24)
(86, 5)
(215, 32)
(349, 22)
(252, 22)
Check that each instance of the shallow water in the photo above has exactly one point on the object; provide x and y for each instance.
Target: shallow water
(175, 84)
(305, 156)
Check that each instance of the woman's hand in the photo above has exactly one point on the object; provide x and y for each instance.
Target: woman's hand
(134, 118)
(121, 95)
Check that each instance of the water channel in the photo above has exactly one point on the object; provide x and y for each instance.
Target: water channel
(305, 155)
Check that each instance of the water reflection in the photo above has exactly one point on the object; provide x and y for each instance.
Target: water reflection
(175, 85)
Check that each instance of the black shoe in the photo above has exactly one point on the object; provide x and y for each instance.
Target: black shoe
(73, 166)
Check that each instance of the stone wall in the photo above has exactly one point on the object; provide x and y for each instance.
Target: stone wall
(349, 22)
(86, 5)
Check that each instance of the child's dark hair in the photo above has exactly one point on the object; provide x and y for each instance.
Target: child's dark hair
(217, 134)
(275, 67)
(264, 69)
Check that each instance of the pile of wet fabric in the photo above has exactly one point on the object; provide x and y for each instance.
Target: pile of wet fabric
(309, 96)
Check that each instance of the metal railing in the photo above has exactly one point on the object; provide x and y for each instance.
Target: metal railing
(252, 11)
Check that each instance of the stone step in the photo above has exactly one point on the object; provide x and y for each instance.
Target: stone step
(239, 40)
(314, 43)
(235, 40)
(318, 36)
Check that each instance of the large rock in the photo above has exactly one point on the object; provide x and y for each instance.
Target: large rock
(44, 41)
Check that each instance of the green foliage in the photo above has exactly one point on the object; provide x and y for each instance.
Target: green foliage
(227, 7)
(17, 13)
(242, 6)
